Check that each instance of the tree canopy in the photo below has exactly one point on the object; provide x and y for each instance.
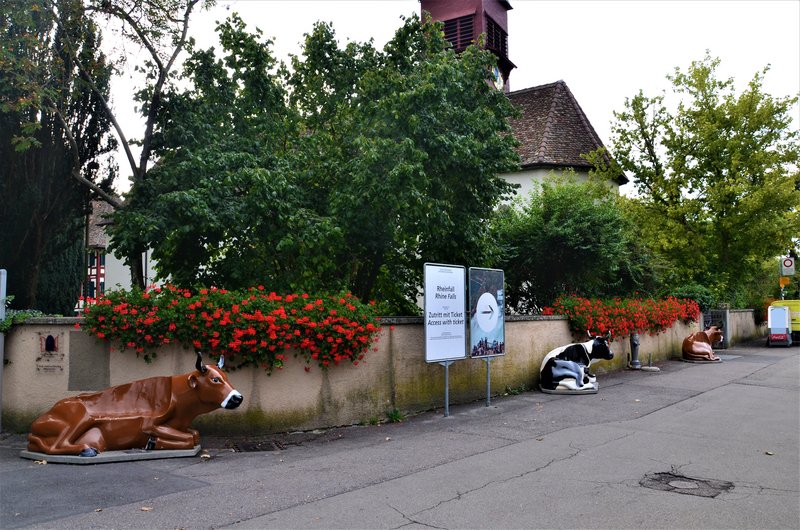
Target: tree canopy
(349, 172)
(54, 141)
(55, 118)
(716, 176)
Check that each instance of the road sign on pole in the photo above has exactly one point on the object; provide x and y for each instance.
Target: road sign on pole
(787, 266)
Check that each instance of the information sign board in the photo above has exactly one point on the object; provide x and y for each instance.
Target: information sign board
(445, 313)
(487, 332)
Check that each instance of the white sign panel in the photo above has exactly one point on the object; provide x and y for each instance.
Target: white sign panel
(445, 313)
(787, 266)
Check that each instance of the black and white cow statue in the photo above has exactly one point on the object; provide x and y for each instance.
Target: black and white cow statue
(565, 370)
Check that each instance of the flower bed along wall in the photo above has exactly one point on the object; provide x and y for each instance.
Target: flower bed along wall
(623, 316)
(251, 328)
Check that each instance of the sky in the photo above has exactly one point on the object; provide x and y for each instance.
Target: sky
(605, 51)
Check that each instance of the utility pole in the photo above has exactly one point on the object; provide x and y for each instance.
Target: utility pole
(3, 276)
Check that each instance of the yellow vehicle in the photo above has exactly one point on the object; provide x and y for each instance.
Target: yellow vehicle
(794, 308)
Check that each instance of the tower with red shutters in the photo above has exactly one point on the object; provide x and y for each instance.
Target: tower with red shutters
(464, 22)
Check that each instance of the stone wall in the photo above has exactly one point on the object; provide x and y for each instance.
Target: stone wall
(742, 326)
(395, 376)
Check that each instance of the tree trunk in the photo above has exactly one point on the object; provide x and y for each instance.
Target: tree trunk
(137, 271)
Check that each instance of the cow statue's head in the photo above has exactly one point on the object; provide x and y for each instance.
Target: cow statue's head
(714, 334)
(213, 386)
(599, 348)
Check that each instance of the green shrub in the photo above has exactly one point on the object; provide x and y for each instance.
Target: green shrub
(700, 294)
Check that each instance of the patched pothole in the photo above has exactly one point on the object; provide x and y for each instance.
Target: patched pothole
(686, 485)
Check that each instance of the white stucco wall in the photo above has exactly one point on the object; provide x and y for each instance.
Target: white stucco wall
(527, 177)
(118, 275)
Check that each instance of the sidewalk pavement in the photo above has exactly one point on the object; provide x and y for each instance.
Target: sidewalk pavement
(691, 446)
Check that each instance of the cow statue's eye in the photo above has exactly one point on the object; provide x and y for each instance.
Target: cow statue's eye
(216, 380)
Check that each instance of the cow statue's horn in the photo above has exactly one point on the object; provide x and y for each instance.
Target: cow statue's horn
(199, 364)
(221, 362)
(609, 335)
(589, 333)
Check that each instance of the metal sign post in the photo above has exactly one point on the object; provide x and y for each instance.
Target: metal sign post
(488, 381)
(446, 365)
(3, 277)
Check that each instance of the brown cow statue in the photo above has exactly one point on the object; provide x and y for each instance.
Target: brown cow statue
(152, 413)
(697, 346)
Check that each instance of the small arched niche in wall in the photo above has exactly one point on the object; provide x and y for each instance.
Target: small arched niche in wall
(50, 357)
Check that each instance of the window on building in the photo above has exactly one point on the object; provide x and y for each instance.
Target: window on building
(460, 31)
(496, 38)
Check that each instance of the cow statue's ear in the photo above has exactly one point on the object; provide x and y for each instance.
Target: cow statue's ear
(192, 381)
(199, 364)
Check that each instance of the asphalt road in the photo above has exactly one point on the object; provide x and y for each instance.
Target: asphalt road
(691, 446)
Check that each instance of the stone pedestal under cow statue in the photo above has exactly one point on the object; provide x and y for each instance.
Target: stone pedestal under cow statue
(697, 346)
(565, 370)
(153, 413)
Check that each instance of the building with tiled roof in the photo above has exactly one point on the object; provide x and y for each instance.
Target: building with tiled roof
(96, 237)
(552, 129)
(553, 133)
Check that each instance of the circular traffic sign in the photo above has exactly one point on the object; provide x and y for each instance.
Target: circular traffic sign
(788, 262)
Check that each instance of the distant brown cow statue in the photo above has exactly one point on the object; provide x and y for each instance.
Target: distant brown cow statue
(697, 346)
(153, 413)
